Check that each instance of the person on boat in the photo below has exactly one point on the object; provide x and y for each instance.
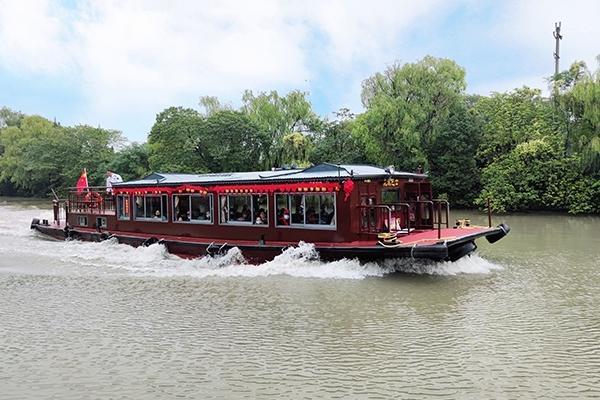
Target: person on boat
(111, 178)
(284, 217)
(311, 216)
(261, 219)
(243, 215)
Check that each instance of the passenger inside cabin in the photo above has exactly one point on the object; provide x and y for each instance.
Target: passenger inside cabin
(244, 215)
(183, 215)
(311, 216)
(261, 218)
(298, 216)
(283, 217)
(326, 216)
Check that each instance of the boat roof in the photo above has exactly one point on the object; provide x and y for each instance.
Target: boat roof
(324, 171)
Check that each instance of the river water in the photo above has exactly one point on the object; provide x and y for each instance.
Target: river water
(519, 319)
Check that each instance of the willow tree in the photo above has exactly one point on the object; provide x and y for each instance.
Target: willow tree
(578, 99)
(277, 116)
(406, 105)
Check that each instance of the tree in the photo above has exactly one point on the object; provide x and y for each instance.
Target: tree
(337, 142)
(277, 116)
(229, 141)
(131, 162)
(579, 101)
(173, 139)
(535, 176)
(513, 118)
(40, 154)
(211, 105)
(9, 117)
(451, 155)
(406, 105)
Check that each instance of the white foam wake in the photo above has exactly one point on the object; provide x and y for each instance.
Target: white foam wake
(110, 257)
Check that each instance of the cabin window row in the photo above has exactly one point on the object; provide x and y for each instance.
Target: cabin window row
(305, 209)
(291, 209)
(244, 209)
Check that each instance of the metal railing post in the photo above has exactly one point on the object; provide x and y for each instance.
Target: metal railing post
(489, 210)
(439, 209)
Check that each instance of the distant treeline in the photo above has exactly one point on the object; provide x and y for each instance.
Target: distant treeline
(519, 149)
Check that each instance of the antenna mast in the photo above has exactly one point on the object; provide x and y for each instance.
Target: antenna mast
(558, 37)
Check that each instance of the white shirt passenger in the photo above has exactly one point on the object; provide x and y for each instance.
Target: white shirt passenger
(110, 179)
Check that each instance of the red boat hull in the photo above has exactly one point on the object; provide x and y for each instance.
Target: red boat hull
(453, 244)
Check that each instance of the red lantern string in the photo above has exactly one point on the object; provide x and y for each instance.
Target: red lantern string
(257, 188)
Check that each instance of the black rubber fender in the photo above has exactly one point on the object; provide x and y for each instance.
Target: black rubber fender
(34, 223)
(498, 235)
(437, 251)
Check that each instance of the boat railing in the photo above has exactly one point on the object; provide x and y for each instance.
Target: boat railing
(438, 220)
(405, 217)
(93, 200)
(378, 218)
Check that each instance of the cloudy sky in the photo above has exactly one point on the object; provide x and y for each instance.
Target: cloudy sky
(117, 63)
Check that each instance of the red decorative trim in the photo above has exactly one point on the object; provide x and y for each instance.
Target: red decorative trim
(304, 187)
(279, 188)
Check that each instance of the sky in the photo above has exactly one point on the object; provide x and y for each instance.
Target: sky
(116, 64)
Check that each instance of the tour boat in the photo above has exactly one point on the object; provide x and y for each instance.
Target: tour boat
(346, 211)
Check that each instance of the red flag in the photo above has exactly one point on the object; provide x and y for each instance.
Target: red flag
(82, 182)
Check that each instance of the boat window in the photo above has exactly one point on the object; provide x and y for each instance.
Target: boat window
(151, 207)
(305, 209)
(82, 220)
(244, 209)
(192, 208)
(101, 222)
(390, 196)
(123, 207)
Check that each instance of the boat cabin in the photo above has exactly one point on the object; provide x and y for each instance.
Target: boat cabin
(322, 203)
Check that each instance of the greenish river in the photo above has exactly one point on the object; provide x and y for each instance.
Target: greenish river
(519, 319)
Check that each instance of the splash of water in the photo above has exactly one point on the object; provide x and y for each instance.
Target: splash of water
(110, 257)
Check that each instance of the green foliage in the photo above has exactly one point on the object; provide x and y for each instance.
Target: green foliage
(9, 117)
(534, 176)
(512, 118)
(229, 141)
(277, 116)
(406, 106)
(577, 98)
(172, 141)
(132, 161)
(451, 156)
(337, 142)
(40, 154)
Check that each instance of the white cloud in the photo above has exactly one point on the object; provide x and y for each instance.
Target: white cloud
(132, 58)
(32, 36)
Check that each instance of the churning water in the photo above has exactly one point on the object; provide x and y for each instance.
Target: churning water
(519, 319)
